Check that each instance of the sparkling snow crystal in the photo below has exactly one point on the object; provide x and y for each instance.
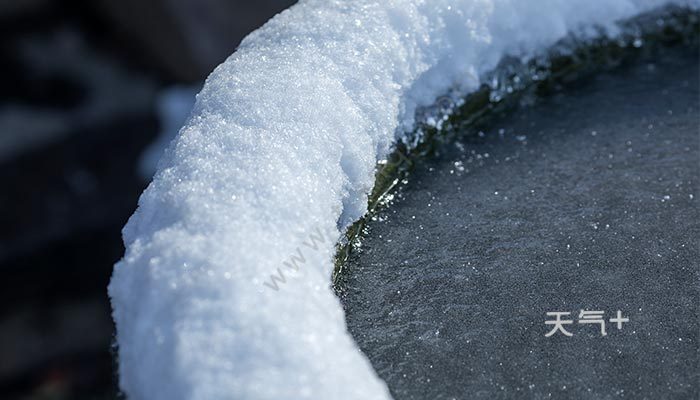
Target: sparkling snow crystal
(275, 161)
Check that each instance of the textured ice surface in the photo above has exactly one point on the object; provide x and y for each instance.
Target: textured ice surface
(275, 161)
(587, 200)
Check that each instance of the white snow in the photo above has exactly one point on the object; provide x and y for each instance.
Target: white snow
(281, 145)
(173, 106)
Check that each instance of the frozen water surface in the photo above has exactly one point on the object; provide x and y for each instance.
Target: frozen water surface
(587, 200)
(274, 163)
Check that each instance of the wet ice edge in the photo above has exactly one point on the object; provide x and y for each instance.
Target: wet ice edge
(274, 163)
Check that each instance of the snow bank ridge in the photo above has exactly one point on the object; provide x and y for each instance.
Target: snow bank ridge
(281, 145)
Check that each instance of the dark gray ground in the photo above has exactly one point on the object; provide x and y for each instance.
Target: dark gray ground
(588, 200)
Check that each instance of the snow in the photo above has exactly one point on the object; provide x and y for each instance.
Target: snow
(173, 106)
(275, 161)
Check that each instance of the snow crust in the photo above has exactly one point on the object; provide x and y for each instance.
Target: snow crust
(275, 161)
(173, 106)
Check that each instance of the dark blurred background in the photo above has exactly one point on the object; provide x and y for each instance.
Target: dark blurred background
(85, 88)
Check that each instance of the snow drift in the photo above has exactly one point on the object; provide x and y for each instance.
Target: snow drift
(274, 163)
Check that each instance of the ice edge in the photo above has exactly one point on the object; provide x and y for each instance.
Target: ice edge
(275, 163)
